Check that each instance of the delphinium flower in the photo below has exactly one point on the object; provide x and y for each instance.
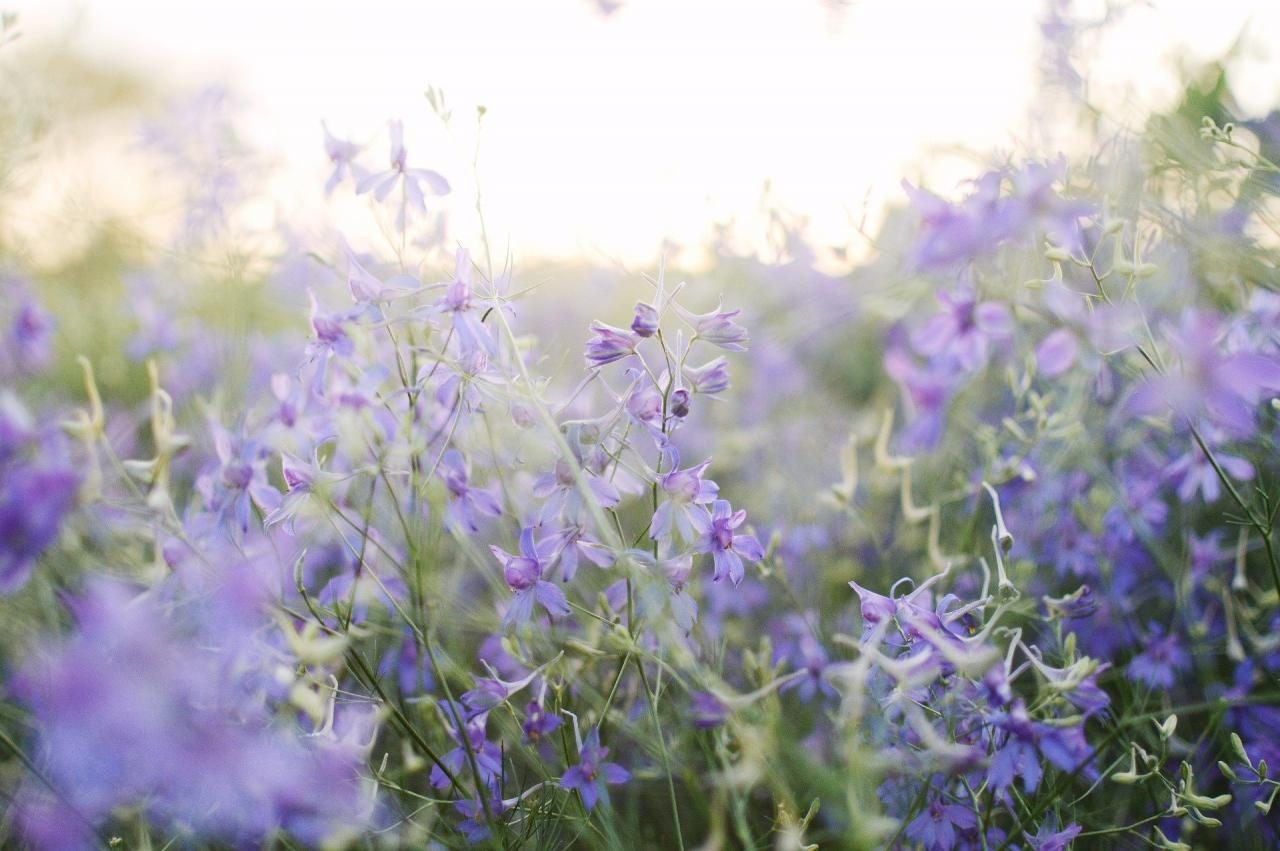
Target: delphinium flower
(1160, 662)
(524, 576)
(29, 332)
(131, 711)
(467, 503)
(686, 494)
(487, 754)
(1223, 388)
(609, 344)
(966, 331)
(561, 496)
(717, 327)
(940, 826)
(239, 482)
(463, 308)
(414, 183)
(592, 774)
(728, 548)
(38, 487)
(342, 154)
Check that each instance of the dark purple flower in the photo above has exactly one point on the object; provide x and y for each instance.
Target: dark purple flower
(539, 723)
(1161, 660)
(940, 826)
(590, 776)
(34, 498)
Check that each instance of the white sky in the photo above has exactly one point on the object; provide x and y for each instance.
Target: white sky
(605, 135)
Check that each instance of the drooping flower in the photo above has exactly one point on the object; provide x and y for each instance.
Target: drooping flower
(608, 344)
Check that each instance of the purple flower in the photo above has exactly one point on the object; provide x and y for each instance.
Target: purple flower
(1224, 388)
(1161, 660)
(466, 501)
(1056, 353)
(709, 379)
(462, 308)
(590, 776)
(342, 154)
(1049, 838)
(939, 826)
(727, 548)
(609, 344)
(685, 490)
(577, 544)
(34, 498)
(965, 331)
(707, 710)
(30, 335)
(414, 182)
(524, 573)
(152, 704)
(717, 328)
(561, 495)
(488, 755)
(645, 323)
(539, 723)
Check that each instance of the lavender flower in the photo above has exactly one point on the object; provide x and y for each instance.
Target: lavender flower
(524, 576)
(592, 774)
(414, 183)
(727, 548)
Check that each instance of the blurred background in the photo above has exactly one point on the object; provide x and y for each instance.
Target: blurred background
(613, 130)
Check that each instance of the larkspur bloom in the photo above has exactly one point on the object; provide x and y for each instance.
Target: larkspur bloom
(524, 576)
(467, 503)
(342, 154)
(1210, 384)
(686, 493)
(717, 327)
(967, 331)
(414, 183)
(592, 773)
(718, 536)
(609, 344)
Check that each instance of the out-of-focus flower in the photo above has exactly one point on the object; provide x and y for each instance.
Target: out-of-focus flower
(342, 154)
(414, 183)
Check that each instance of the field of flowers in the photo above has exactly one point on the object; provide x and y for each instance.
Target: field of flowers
(308, 543)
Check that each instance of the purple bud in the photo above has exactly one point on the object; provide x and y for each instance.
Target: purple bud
(609, 344)
(645, 322)
(680, 403)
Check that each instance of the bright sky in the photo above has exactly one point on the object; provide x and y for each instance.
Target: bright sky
(606, 134)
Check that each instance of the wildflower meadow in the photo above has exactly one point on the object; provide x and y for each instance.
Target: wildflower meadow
(377, 538)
